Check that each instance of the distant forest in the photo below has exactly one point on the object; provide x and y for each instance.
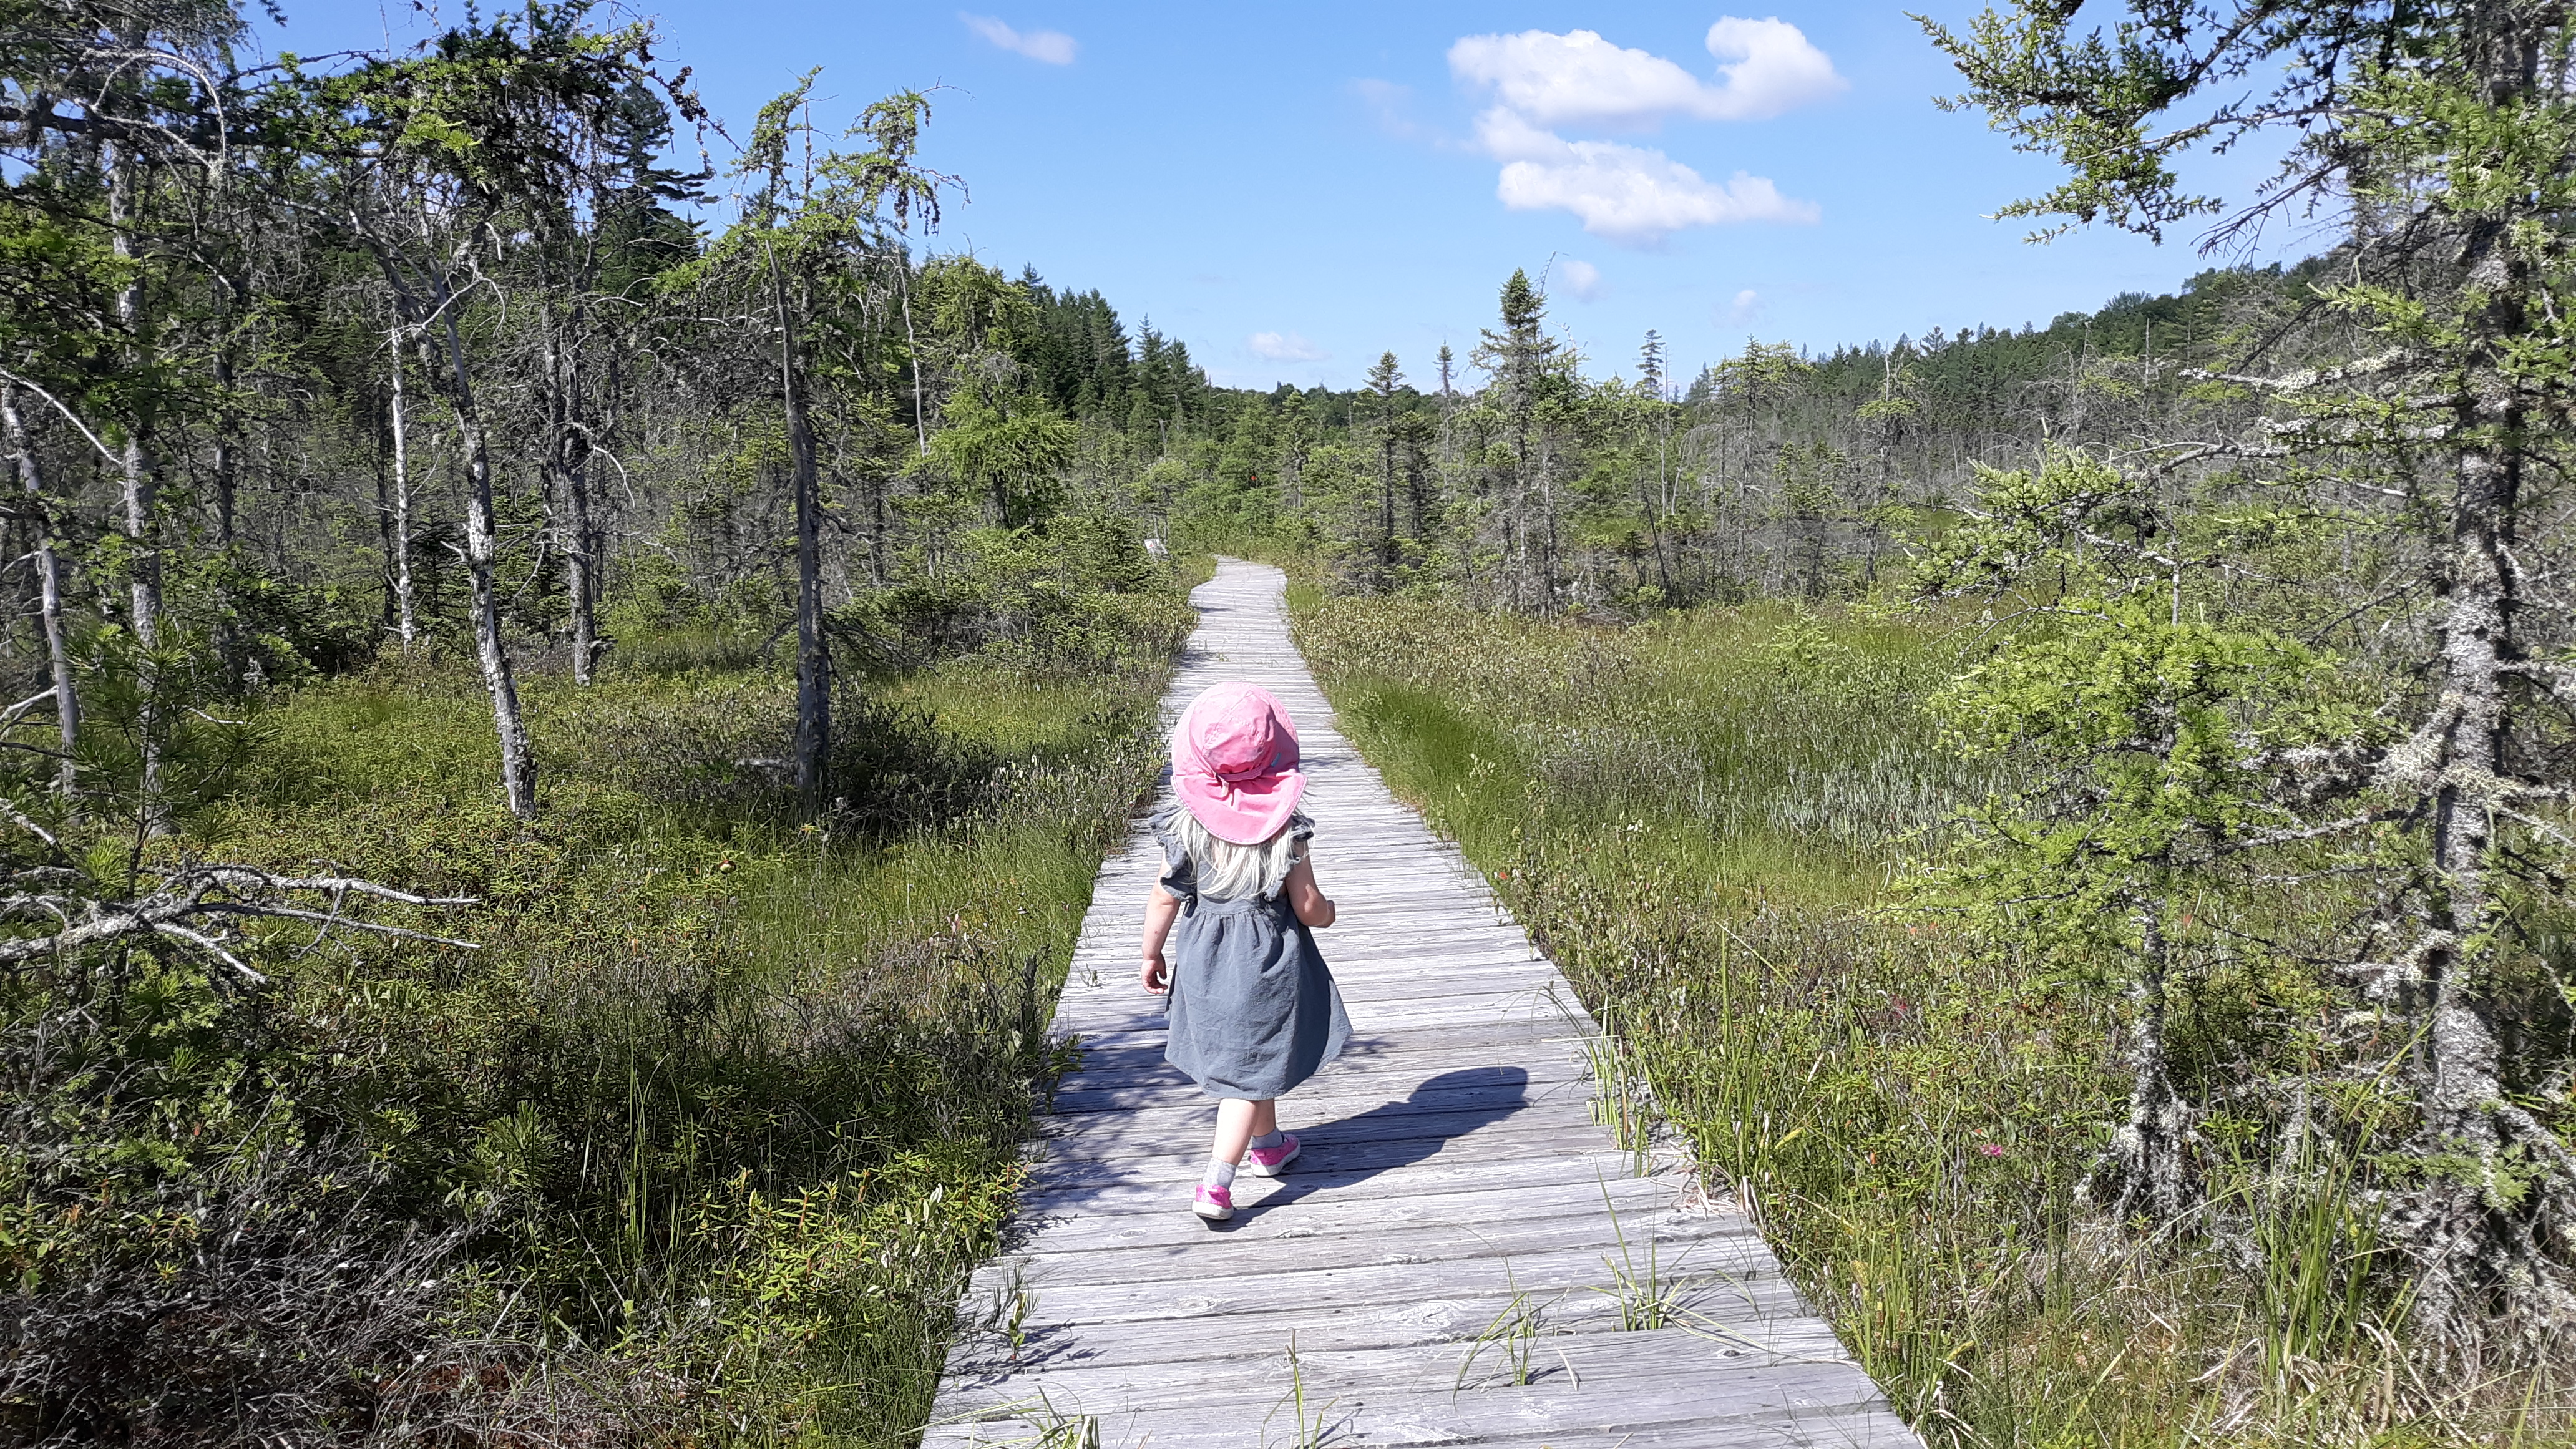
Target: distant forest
(1772, 470)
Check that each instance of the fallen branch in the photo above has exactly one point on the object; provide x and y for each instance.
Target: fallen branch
(193, 906)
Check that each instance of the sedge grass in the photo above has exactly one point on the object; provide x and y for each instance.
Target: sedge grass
(1700, 817)
(735, 1097)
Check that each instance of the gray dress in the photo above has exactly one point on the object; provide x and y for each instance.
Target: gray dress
(1253, 1008)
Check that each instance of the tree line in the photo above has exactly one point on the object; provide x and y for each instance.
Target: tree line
(312, 362)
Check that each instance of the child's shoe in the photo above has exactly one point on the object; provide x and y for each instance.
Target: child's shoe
(1214, 1203)
(1271, 1161)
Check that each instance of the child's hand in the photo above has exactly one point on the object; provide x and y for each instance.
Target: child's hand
(1157, 977)
(1306, 898)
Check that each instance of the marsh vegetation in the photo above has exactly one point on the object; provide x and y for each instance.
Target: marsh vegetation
(561, 722)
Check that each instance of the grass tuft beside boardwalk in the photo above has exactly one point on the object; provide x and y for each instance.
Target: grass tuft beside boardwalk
(693, 1146)
(732, 1100)
(1701, 818)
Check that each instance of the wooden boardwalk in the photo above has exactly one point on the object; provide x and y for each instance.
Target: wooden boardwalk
(1462, 1256)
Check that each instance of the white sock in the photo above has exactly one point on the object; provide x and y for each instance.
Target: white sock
(1268, 1140)
(1219, 1174)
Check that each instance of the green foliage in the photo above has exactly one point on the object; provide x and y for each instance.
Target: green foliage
(1075, 597)
(725, 1102)
(1008, 451)
(489, 107)
(730, 1103)
(1909, 1107)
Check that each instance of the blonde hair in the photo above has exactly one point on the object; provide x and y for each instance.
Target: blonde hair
(1227, 871)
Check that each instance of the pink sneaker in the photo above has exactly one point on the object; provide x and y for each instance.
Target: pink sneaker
(1215, 1204)
(1271, 1161)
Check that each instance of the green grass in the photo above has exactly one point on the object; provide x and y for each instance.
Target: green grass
(1701, 818)
(734, 1099)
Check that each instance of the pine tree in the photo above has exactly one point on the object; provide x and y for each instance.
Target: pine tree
(1383, 379)
(1522, 360)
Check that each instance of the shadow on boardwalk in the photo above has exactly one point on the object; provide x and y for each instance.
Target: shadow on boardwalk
(1439, 1112)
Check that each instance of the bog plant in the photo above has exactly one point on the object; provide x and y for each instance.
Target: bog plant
(678, 1115)
(2438, 134)
(1919, 1093)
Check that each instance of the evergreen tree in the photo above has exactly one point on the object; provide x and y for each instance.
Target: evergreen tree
(1384, 377)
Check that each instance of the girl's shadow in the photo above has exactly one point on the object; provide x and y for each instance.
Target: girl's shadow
(1349, 1151)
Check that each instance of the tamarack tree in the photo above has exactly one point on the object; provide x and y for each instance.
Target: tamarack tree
(2154, 746)
(434, 165)
(2441, 132)
(816, 256)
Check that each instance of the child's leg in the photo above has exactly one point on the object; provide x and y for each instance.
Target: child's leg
(1235, 1127)
(1265, 1118)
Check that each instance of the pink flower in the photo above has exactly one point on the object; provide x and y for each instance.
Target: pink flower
(1990, 1149)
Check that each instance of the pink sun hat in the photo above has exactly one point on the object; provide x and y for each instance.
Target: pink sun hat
(1234, 763)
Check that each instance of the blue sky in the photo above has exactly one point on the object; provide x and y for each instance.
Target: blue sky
(1293, 190)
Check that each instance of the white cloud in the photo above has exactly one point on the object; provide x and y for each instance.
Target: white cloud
(1579, 79)
(1747, 306)
(1630, 194)
(1771, 68)
(1636, 195)
(1576, 78)
(1051, 46)
(1581, 277)
(1285, 347)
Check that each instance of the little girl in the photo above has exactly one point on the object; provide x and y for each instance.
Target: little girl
(1253, 1009)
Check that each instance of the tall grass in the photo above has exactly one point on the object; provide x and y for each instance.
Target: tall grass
(730, 1099)
(1700, 818)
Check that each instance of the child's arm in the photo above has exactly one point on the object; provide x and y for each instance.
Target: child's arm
(1160, 908)
(1306, 897)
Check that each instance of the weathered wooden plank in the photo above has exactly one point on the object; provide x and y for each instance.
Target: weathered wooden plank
(1595, 1382)
(1329, 1158)
(1780, 1327)
(1142, 1190)
(1670, 1242)
(1454, 1173)
(1545, 1078)
(1710, 1282)
(1634, 1199)
(1454, 1118)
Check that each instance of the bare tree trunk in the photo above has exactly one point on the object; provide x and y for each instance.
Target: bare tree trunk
(582, 566)
(140, 498)
(406, 622)
(912, 353)
(877, 526)
(2471, 1234)
(482, 553)
(568, 458)
(2146, 1167)
(228, 643)
(2486, 1226)
(812, 747)
(49, 583)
